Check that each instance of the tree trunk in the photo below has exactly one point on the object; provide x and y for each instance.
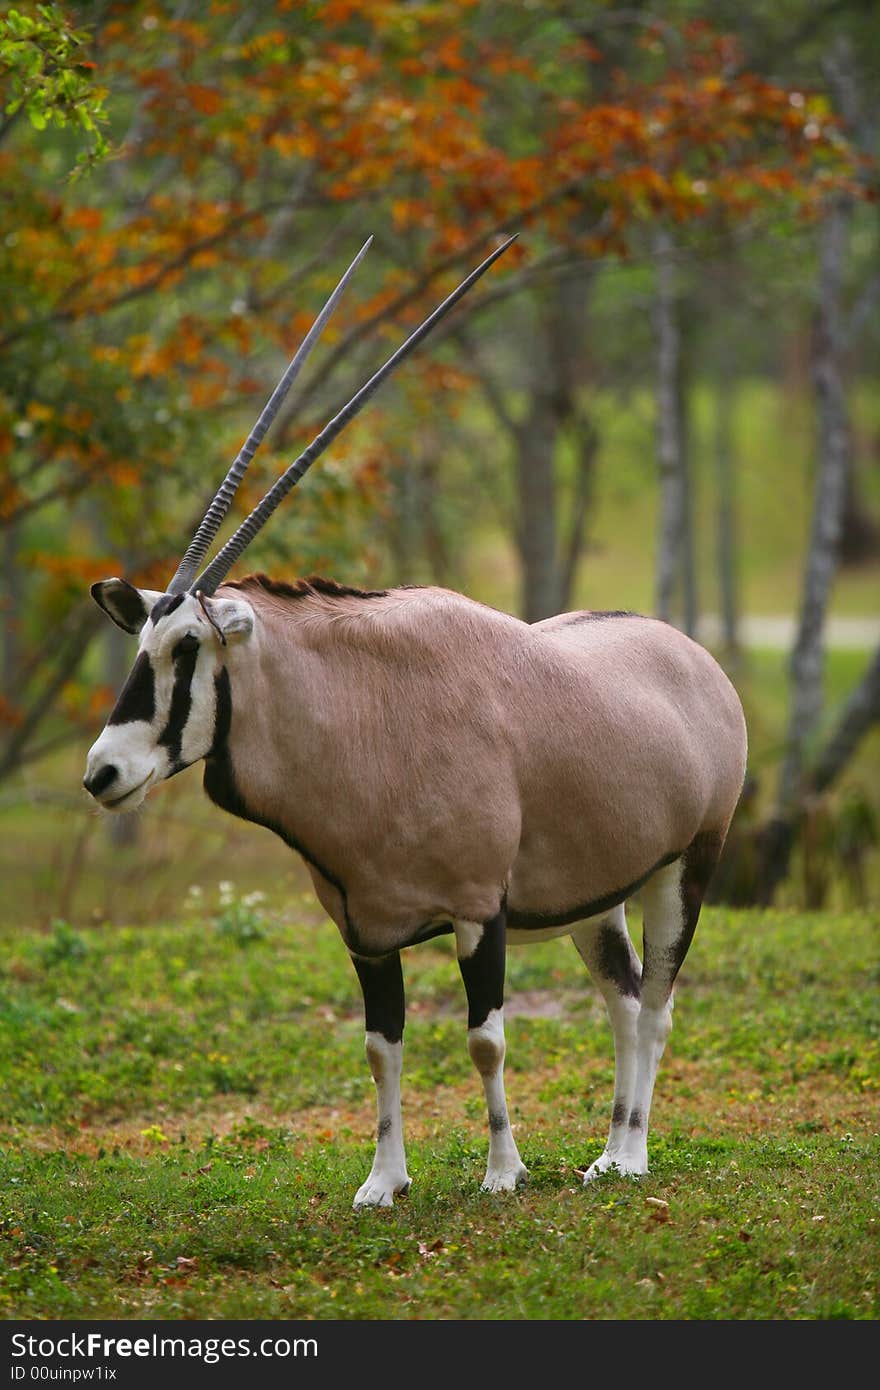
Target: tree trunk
(807, 659)
(675, 567)
(537, 538)
(12, 607)
(726, 516)
(549, 545)
(689, 602)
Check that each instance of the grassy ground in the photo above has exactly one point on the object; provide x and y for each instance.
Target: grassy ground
(187, 1113)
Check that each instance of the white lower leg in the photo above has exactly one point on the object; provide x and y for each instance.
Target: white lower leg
(388, 1175)
(664, 923)
(624, 1016)
(607, 952)
(654, 1028)
(505, 1169)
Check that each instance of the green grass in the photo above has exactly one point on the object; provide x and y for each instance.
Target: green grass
(187, 1113)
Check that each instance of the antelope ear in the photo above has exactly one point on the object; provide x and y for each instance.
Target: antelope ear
(233, 616)
(127, 606)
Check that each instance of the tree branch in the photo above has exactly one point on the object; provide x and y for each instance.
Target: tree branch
(155, 282)
(859, 714)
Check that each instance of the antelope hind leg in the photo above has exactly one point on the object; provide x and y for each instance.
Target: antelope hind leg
(671, 903)
(605, 947)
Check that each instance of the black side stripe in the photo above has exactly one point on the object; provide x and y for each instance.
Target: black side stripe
(184, 657)
(592, 909)
(137, 699)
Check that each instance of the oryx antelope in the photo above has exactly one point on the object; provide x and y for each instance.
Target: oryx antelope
(443, 767)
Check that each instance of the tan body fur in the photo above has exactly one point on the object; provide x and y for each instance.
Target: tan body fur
(429, 754)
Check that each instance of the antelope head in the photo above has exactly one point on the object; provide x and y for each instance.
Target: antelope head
(165, 718)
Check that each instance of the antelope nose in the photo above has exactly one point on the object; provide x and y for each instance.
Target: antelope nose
(101, 780)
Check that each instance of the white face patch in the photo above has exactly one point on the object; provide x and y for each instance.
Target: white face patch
(165, 717)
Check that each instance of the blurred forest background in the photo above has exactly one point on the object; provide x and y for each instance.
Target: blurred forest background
(662, 399)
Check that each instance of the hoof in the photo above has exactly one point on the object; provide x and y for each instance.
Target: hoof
(507, 1180)
(620, 1164)
(380, 1191)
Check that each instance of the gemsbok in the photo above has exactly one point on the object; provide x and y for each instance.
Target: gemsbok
(442, 767)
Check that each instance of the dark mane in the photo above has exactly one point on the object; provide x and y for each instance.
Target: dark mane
(596, 615)
(303, 588)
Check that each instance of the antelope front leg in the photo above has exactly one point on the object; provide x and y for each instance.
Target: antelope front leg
(384, 1009)
(481, 953)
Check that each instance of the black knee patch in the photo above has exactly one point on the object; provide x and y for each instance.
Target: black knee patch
(614, 961)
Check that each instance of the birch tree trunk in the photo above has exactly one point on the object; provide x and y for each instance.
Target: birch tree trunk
(808, 655)
(725, 524)
(675, 569)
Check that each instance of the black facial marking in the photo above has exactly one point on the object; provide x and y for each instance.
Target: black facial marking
(382, 985)
(222, 713)
(137, 698)
(591, 909)
(483, 972)
(184, 657)
(165, 605)
(615, 961)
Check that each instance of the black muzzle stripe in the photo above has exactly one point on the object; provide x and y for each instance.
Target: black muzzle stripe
(137, 699)
(171, 737)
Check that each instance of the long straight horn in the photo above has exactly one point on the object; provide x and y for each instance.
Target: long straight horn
(223, 561)
(210, 524)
